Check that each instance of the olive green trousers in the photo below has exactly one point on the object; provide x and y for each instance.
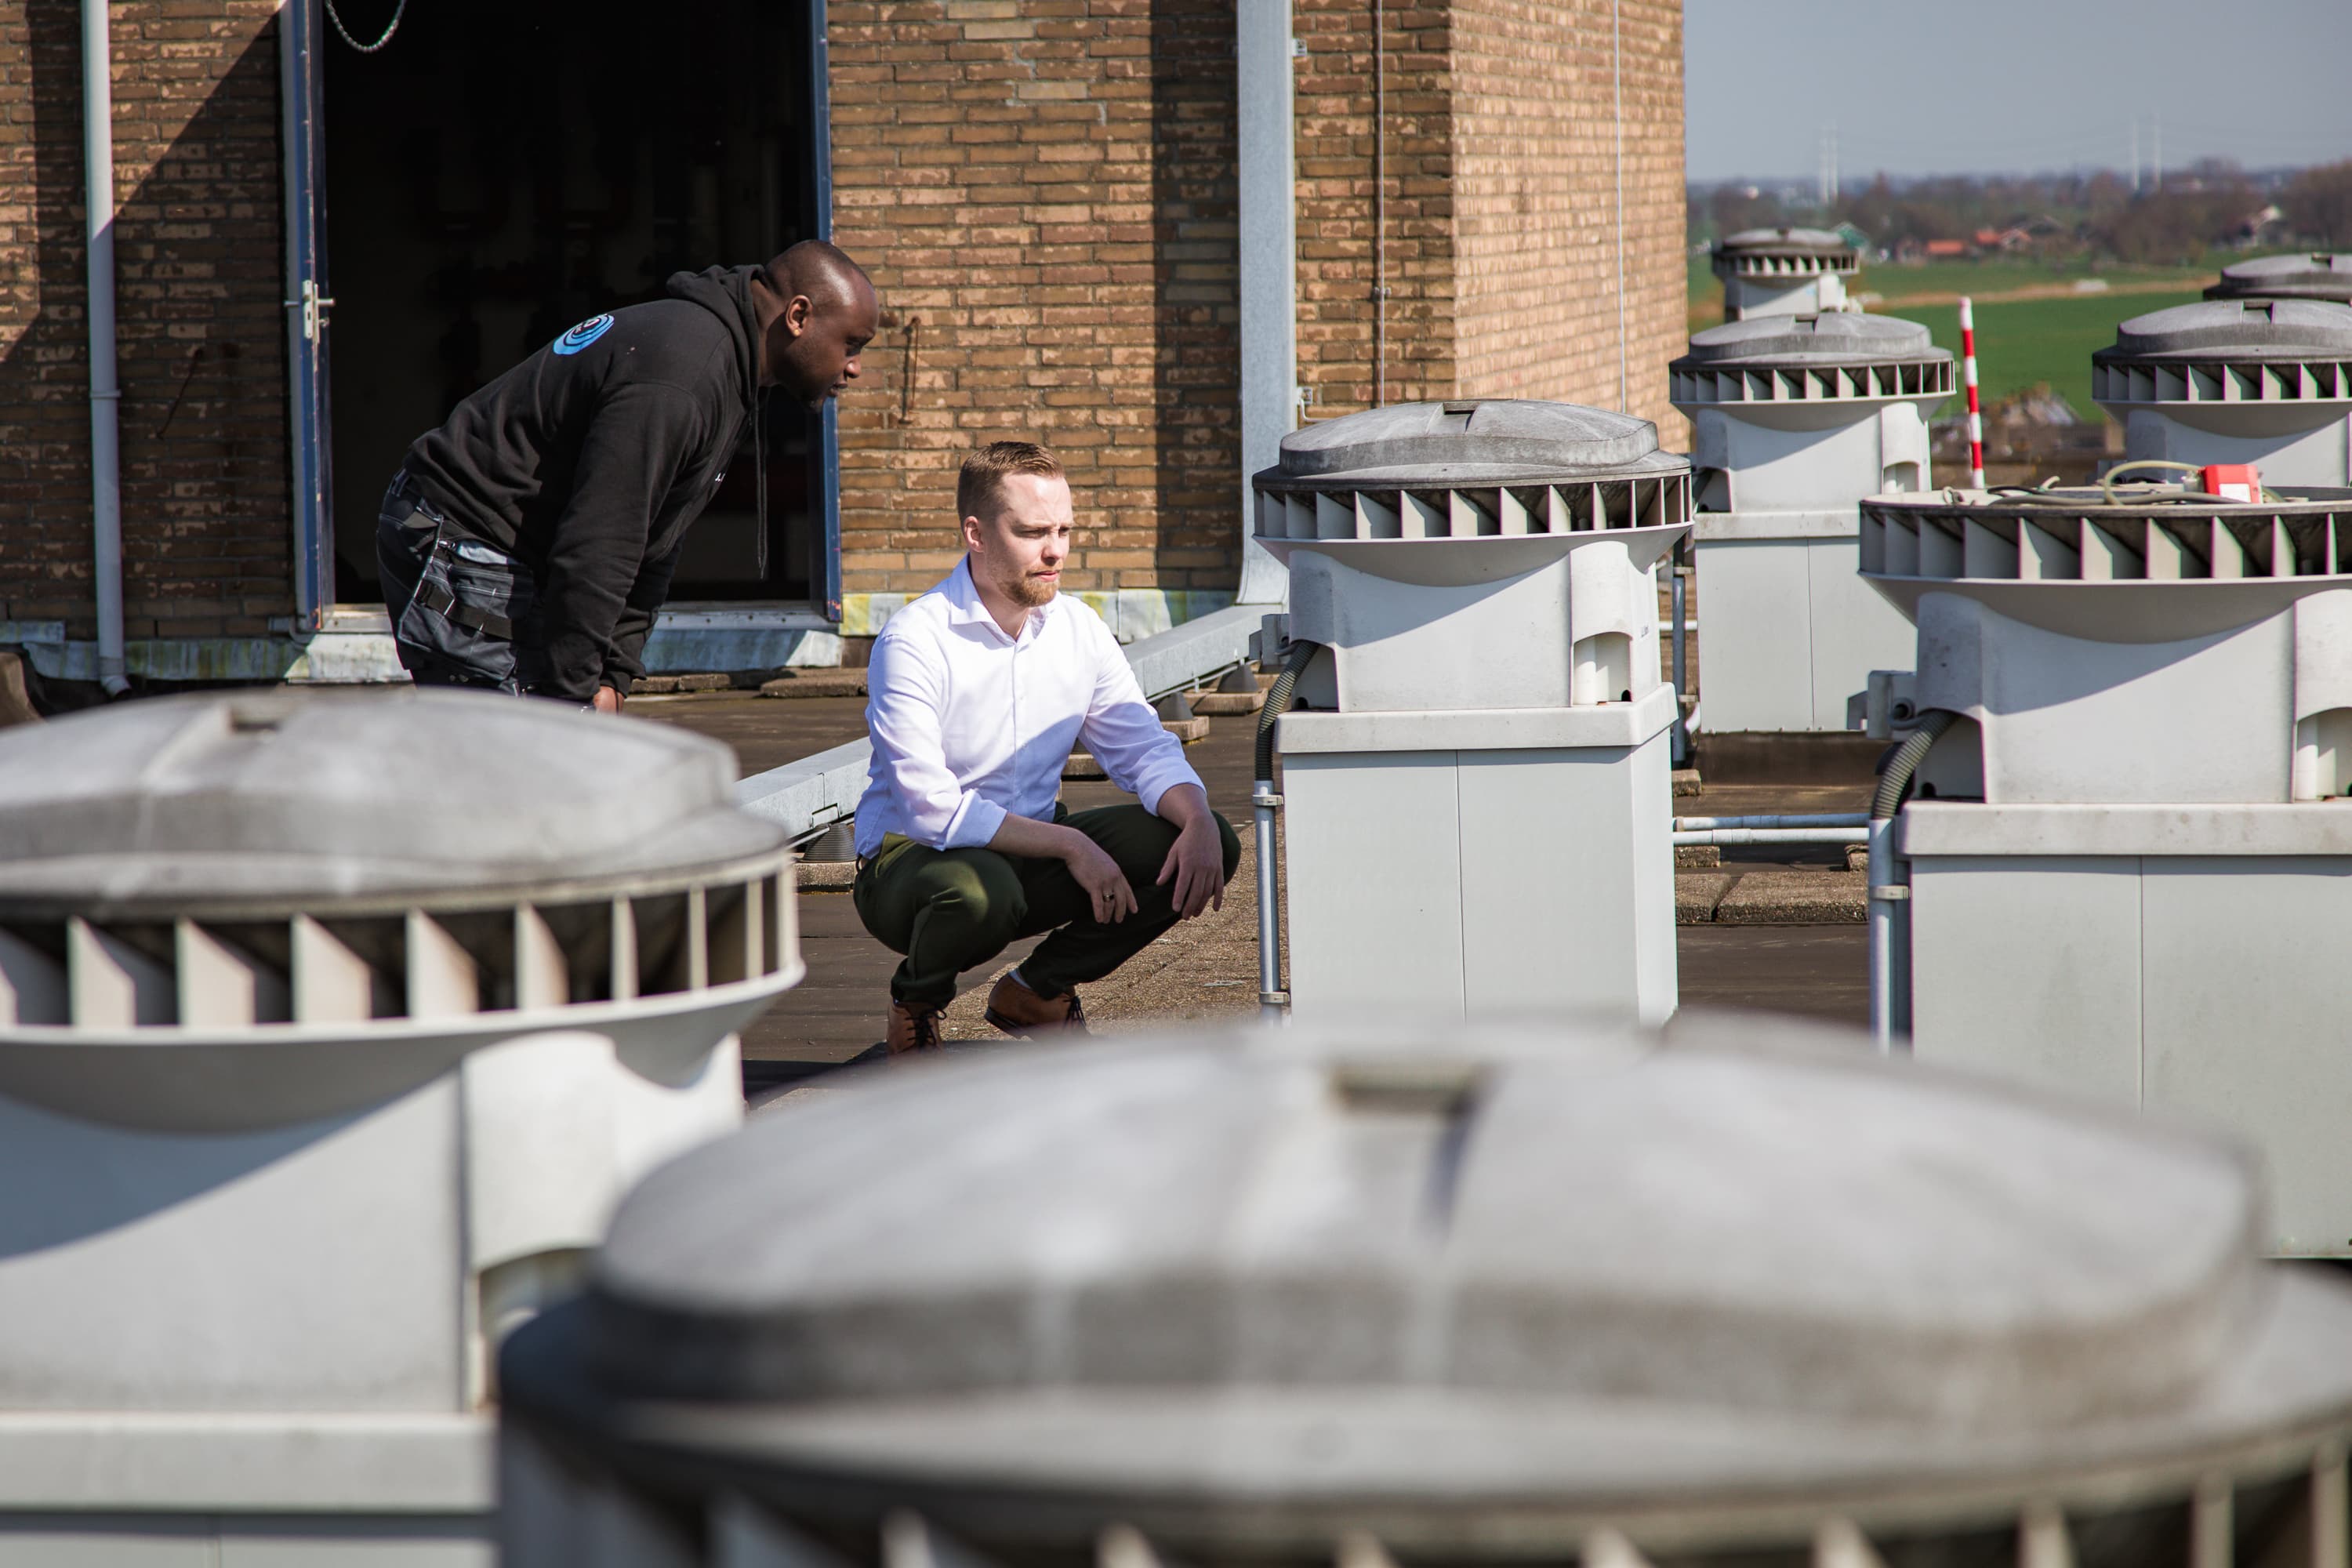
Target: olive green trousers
(953, 909)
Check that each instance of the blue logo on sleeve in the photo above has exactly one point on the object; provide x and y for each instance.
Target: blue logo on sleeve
(586, 333)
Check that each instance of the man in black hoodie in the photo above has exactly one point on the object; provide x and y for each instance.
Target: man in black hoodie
(527, 544)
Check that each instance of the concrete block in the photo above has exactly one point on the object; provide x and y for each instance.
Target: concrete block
(1789, 898)
(1696, 893)
(15, 702)
(816, 683)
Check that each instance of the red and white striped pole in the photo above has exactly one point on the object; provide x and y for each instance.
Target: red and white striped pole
(1968, 372)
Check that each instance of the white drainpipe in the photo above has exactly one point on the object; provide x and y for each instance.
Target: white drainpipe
(1269, 271)
(105, 446)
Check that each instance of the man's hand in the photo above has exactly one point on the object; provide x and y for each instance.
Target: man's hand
(608, 701)
(1197, 863)
(1099, 875)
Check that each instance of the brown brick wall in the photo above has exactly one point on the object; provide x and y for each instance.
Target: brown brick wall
(1045, 190)
(1535, 198)
(1499, 230)
(201, 362)
(1338, 354)
(1045, 193)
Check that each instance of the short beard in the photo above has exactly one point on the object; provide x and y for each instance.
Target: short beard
(1029, 593)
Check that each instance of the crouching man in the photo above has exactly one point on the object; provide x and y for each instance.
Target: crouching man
(977, 694)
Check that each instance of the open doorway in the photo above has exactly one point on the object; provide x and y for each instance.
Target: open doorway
(502, 169)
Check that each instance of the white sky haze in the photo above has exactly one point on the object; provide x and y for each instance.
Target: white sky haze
(2012, 86)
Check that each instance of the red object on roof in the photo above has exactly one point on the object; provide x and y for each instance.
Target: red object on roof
(2233, 481)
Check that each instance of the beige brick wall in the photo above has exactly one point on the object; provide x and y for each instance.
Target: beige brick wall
(201, 362)
(1500, 228)
(1536, 234)
(1045, 193)
(1340, 348)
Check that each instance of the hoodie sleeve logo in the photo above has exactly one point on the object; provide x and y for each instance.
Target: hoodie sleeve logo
(586, 333)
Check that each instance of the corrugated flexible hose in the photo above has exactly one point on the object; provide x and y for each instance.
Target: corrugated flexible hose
(1890, 891)
(1277, 702)
(1896, 779)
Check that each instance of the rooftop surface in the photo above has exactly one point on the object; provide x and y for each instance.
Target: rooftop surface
(1737, 947)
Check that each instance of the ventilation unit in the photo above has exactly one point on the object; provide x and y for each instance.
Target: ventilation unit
(1478, 813)
(1795, 418)
(2308, 276)
(1784, 272)
(1736, 1296)
(2130, 853)
(2267, 382)
(330, 1030)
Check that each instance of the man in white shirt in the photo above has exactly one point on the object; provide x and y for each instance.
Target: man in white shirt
(977, 692)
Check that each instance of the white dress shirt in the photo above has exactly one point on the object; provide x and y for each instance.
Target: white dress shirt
(969, 725)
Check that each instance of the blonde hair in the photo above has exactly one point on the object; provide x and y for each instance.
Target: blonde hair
(982, 479)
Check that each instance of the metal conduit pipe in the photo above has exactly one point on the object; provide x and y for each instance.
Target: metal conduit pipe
(105, 442)
(1890, 890)
(1772, 835)
(1272, 998)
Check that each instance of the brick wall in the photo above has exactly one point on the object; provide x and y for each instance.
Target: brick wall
(1044, 191)
(1500, 229)
(1343, 346)
(201, 362)
(1535, 197)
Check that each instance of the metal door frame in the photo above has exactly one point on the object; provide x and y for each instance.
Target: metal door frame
(310, 453)
(301, 81)
(829, 456)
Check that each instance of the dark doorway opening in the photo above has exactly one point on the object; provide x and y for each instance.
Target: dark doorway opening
(503, 169)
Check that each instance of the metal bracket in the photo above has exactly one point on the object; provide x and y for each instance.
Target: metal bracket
(1892, 893)
(1267, 799)
(1274, 998)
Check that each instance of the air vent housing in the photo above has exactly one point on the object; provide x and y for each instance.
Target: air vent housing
(331, 1028)
(1784, 272)
(2264, 381)
(1394, 1293)
(2139, 805)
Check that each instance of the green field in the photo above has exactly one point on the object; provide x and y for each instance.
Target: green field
(2021, 343)
(2033, 342)
(1895, 282)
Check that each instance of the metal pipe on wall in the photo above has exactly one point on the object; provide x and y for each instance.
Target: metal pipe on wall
(105, 440)
(1617, 74)
(1269, 268)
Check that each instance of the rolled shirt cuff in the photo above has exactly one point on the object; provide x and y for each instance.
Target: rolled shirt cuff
(974, 825)
(1160, 780)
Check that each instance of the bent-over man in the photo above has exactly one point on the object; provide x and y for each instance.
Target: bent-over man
(977, 692)
(527, 544)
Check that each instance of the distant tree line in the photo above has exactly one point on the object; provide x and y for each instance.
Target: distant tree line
(2094, 215)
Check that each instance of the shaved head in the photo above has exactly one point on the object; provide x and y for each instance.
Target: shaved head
(818, 311)
(822, 273)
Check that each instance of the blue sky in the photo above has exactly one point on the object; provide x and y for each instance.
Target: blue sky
(2001, 86)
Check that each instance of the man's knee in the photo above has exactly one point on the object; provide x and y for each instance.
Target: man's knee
(1230, 842)
(977, 888)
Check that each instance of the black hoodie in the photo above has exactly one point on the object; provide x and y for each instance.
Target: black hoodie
(588, 461)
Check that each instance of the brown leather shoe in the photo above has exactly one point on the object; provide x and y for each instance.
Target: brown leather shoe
(912, 1029)
(1017, 1010)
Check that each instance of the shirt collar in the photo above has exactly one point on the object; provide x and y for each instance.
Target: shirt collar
(966, 608)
